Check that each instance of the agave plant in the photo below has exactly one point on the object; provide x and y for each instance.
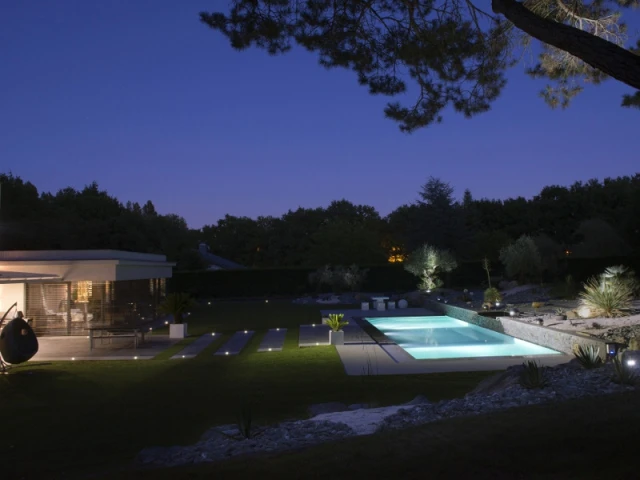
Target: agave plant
(336, 321)
(176, 304)
(606, 298)
(533, 376)
(589, 356)
(623, 374)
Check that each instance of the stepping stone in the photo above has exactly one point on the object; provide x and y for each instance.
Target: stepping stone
(236, 343)
(197, 346)
(311, 336)
(273, 340)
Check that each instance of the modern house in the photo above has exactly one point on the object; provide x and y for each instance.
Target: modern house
(62, 292)
(215, 262)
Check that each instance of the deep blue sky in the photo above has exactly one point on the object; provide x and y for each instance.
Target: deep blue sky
(141, 97)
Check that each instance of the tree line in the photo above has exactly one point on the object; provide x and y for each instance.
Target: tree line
(586, 219)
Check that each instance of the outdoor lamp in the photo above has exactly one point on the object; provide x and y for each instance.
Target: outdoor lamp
(497, 304)
(631, 363)
(512, 313)
(612, 349)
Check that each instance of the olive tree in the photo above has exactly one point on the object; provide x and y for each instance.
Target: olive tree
(428, 263)
(522, 259)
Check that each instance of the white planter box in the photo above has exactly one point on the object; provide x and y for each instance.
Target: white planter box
(391, 305)
(178, 330)
(380, 306)
(364, 306)
(336, 338)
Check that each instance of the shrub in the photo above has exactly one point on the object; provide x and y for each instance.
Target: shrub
(336, 321)
(533, 375)
(622, 373)
(588, 357)
(428, 264)
(322, 276)
(350, 277)
(522, 259)
(606, 299)
(492, 295)
(245, 420)
(176, 304)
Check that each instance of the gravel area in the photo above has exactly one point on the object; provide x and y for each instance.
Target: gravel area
(500, 392)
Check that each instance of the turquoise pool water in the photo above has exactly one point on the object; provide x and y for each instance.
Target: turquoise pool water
(447, 337)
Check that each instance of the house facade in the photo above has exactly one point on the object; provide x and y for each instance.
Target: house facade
(63, 292)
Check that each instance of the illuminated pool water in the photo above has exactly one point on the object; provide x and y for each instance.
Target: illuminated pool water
(447, 337)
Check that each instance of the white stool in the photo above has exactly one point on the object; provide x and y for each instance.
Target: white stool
(380, 306)
(364, 306)
(391, 305)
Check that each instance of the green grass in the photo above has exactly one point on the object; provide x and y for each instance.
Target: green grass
(591, 438)
(78, 417)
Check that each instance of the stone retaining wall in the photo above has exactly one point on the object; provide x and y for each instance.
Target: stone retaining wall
(545, 336)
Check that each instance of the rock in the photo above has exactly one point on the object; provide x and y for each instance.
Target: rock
(634, 343)
(571, 315)
(402, 303)
(418, 400)
(330, 407)
(498, 382)
(585, 312)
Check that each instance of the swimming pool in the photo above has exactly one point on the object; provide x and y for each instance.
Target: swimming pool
(446, 337)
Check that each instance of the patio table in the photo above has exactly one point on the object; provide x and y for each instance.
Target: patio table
(110, 330)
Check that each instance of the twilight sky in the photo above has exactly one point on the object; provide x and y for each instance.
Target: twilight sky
(143, 98)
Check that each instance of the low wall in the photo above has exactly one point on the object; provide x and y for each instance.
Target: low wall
(545, 336)
(465, 314)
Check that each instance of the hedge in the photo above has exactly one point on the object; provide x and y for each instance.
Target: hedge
(381, 278)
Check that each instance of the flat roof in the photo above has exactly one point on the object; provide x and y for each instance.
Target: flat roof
(78, 255)
(7, 277)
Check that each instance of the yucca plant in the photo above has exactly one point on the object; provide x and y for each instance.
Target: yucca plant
(336, 321)
(606, 299)
(533, 376)
(623, 374)
(492, 295)
(621, 274)
(176, 304)
(588, 357)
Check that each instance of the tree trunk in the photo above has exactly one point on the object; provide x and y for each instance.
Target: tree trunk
(607, 57)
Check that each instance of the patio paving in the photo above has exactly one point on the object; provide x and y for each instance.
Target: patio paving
(236, 343)
(273, 340)
(69, 348)
(197, 346)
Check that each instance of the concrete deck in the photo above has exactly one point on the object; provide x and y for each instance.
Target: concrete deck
(393, 360)
(197, 346)
(273, 340)
(56, 349)
(236, 343)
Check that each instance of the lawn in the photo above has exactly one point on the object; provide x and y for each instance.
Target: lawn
(67, 418)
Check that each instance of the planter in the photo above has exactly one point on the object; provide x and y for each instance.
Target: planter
(336, 338)
(178, 330)
(364, 306)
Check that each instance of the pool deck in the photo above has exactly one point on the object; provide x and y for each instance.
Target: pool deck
(370, 358)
